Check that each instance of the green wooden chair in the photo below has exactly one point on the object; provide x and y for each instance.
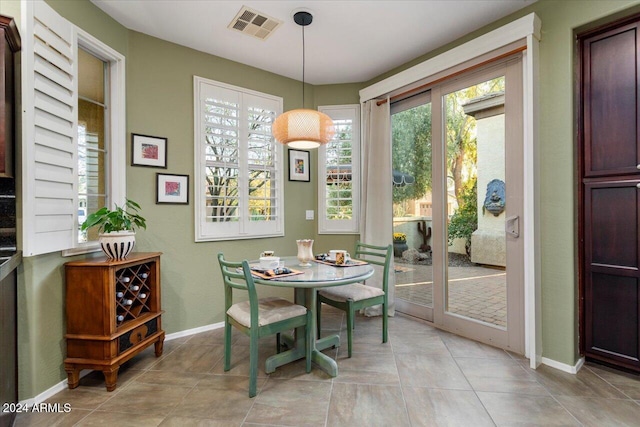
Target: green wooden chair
(258, 318)
(357, 296)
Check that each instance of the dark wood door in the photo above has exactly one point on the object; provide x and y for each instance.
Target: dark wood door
(610, 194)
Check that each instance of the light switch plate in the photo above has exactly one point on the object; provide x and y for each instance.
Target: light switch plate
(309, 215)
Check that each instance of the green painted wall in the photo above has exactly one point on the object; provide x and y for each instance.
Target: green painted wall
(160, 102)
(558, 172)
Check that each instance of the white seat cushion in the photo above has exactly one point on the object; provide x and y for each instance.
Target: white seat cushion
(270, 310)
(354, 292)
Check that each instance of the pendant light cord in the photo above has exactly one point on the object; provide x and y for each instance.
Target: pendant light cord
(303, 66)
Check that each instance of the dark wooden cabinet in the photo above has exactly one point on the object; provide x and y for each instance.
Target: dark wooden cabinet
(610, 194)
(113, 312)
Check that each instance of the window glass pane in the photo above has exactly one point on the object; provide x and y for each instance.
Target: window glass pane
(475, 141)
(412, 200)
(92, 145)
(261, 195)
(91, 77)
(222, 194)
(262, 162)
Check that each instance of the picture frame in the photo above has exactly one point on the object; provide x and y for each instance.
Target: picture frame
(147, 150)
(299, 165)
(172, 189)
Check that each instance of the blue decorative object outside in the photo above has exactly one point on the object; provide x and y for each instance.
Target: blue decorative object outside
(495, 199)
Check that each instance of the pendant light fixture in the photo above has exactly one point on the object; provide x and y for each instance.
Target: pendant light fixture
(303, 128)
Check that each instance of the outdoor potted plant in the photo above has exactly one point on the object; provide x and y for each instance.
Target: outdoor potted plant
(117, 228)
(399, 244)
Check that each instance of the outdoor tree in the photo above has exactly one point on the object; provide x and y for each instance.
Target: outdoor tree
(465, 220)
(411, 152)
(222, 169)
(460, 132)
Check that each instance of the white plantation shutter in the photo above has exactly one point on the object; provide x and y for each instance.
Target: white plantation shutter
(263, 167)
(238, 164)
(339, 173)
(49, 133)
(50, 181)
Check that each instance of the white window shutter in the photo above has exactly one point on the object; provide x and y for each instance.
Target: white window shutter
(238, 164)
(339, 173)
(49, 99)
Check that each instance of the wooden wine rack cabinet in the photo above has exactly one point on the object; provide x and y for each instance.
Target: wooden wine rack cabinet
(113, 313)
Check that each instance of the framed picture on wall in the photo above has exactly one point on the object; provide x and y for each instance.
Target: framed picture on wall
(148, 151)
(299, 166)
(172, 189)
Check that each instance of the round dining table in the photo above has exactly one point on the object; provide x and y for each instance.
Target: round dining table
(317, 275)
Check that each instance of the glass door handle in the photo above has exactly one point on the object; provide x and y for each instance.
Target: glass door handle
(512, 226)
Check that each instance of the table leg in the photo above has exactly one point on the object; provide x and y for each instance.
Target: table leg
(285, 357)
(306, 297)
(325, 362)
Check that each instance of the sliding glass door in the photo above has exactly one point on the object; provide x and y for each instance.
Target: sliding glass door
(458, 148)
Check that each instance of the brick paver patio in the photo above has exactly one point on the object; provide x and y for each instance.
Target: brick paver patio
(475, 292)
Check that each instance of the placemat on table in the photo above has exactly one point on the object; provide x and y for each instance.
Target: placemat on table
(349, 263)
(267, 276)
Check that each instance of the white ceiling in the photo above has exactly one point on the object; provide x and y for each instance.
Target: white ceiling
(348, 41)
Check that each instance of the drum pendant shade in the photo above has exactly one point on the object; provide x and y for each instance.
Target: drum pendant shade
(303, 128)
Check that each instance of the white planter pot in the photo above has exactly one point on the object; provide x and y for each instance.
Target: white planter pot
(117, 245)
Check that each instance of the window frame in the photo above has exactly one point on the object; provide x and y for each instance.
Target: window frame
(244, 228)
(351, 226)
(115, 130)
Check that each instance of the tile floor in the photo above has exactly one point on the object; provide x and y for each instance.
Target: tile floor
(422, 377)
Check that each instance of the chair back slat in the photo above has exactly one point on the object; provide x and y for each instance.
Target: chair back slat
(237, 275)
(378, 255)
(367, 256)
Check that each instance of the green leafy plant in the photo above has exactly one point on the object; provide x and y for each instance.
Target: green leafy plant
(465, 221)
(121, 218)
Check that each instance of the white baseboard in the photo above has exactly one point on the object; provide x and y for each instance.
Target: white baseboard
(62, 385)
(188, 332)
(563, 366)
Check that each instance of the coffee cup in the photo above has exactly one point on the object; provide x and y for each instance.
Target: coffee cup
(267, 253)
(339, 256)
(269, 262)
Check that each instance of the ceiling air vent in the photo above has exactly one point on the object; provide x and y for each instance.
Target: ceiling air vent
(254, 23)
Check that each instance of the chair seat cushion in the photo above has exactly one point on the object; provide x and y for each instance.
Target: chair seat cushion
(270, 310)
(354, 292)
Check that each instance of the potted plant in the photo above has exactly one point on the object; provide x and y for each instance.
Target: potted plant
(117, 228)
(399, 244)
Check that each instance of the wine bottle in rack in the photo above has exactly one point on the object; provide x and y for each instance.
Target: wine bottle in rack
(142, 296)
(119, 317)
(134, 287)
(119, 294)
(125, 279)
(144, 275)
(128, 302)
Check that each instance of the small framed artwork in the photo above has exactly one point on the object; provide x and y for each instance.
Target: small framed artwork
(148, 151)
(172, 189)
(299, 166)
